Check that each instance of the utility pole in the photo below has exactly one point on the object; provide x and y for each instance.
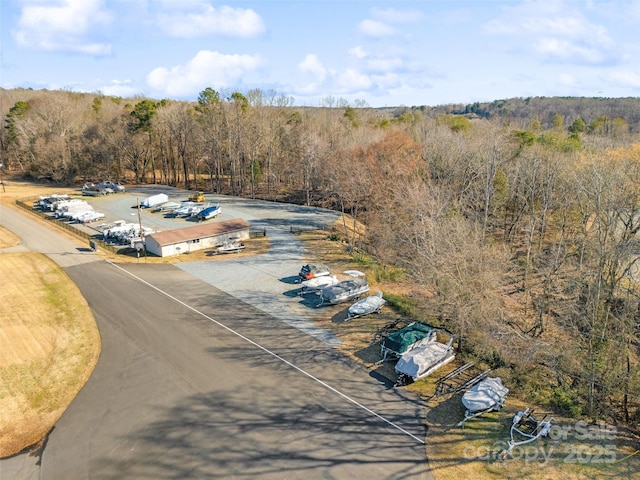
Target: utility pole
(140, 245)
(1, 180)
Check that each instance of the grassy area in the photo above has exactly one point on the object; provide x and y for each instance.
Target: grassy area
(49, 345)
(568, 453)
(7, 238)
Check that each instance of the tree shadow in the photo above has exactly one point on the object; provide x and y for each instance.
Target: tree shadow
(251, 433)
(341, 317)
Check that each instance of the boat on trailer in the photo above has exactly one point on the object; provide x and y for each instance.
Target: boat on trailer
(370, 304)
(234, 246)
(313, 285)
(345, 290)
(313, 270)
(394, 344)
(486, 396)
(209, 212)
(423, 360)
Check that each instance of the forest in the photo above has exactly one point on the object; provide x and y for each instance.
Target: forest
(518, 217)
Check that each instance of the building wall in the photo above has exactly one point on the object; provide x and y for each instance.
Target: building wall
(194, 245)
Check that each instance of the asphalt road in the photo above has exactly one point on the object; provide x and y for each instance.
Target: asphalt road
(197, 381)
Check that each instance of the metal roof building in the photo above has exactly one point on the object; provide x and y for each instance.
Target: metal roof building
(198, 237)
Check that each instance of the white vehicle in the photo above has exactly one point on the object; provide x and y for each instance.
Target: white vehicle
(114, 187)
(94, 190)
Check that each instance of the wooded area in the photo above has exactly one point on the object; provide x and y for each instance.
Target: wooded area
(520, 216)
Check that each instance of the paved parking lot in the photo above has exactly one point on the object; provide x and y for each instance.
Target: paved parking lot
(123, 206)
(264, 282)
(202, 375)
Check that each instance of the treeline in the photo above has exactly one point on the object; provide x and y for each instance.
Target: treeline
(522, 229)
(596, 114)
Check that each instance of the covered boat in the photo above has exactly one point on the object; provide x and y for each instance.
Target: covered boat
(403, 340)
(370, 304)
(209, 212)
(313, 270)
(313, 285)
(423, 360)
(485, 396)
(345, 290)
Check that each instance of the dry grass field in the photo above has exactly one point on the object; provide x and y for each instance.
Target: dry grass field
(49, 345)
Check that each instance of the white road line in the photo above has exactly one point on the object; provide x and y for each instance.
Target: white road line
(273, 354)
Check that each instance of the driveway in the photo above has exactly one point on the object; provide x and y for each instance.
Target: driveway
(211, 370)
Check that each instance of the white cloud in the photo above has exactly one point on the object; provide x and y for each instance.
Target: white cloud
(626, 78)
(391, 15)
(358, 52)
(384, 64)
(312, 64)
(207, 68)
(569, 52)
(119, 88)
(373, 28)
(380, 25)
(353, 81)
(567, 80)
(376, 63)
(555, 32)
(62, 25)
(206, 20)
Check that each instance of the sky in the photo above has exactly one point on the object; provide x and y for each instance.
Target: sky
(319, 52)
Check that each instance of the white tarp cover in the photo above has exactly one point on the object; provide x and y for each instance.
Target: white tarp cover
(154, 200)
(487, 394)
(370, 304)
(420, 359)
(317, 283)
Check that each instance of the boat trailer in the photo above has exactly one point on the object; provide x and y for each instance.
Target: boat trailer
(460, 379)
(526, 428)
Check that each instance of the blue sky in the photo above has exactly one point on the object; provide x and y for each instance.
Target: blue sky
(383, 53)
